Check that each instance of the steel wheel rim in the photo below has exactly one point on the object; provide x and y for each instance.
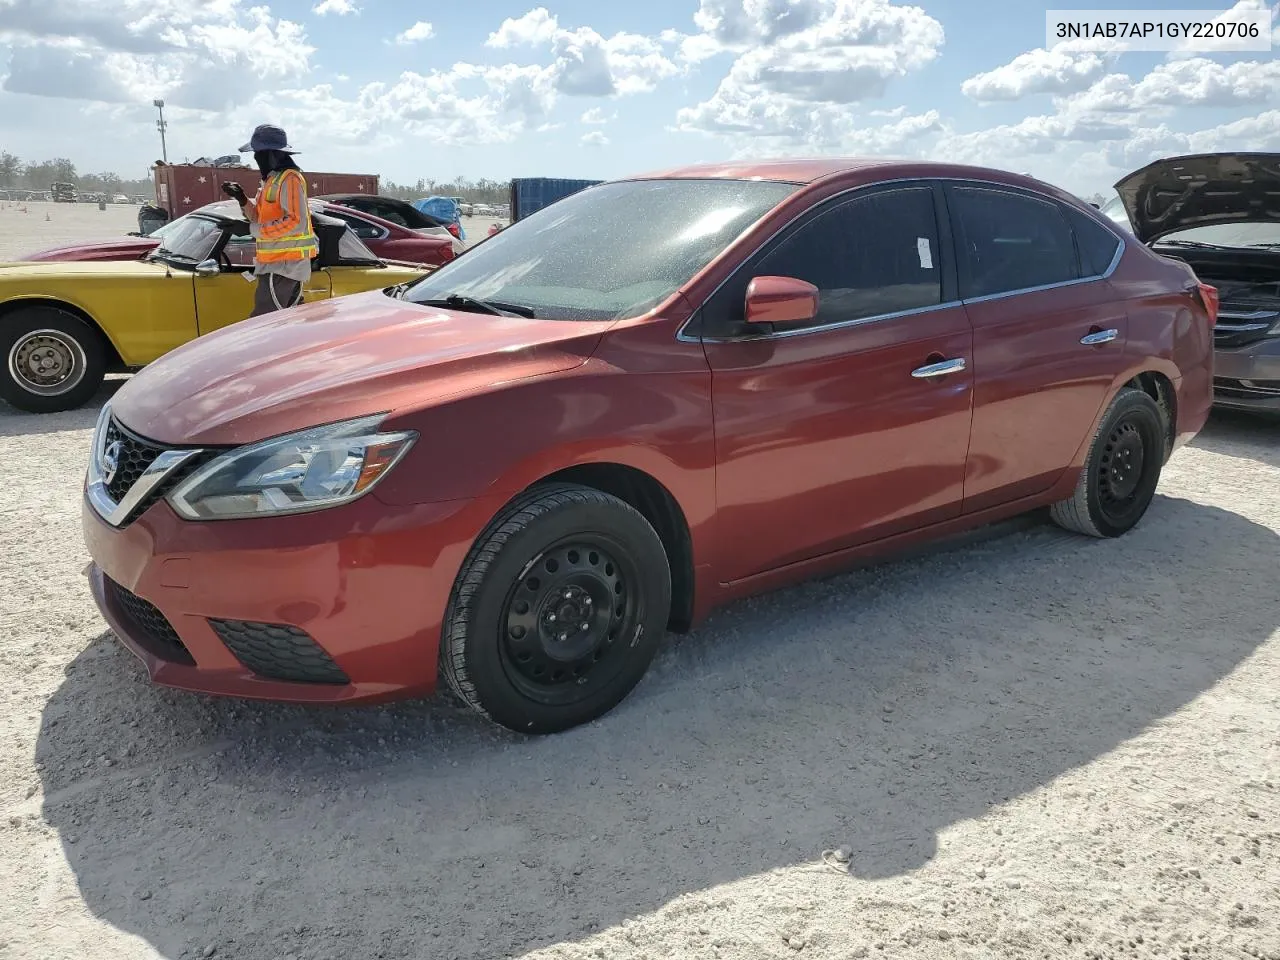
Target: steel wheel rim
(47, 363)
(1122, 469)
(567, 620)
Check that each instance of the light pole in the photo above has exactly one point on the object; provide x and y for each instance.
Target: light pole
(161, 125)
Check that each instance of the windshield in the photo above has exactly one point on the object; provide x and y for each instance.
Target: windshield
(188, 239)
(610, 251)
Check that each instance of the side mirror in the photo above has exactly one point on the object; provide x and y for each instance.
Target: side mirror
(208, 268)
(780, 300)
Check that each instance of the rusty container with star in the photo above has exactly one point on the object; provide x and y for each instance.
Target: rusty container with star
(182, 187)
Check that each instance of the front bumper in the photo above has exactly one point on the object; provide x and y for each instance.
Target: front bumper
(1248, 378)
(341, 605)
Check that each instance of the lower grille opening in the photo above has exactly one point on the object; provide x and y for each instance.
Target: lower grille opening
(278, 652)
(151, 629)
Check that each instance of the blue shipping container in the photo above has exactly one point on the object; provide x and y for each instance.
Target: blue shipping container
(533, 193)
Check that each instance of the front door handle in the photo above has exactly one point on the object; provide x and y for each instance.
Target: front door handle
(940, 369)
(1099, 336)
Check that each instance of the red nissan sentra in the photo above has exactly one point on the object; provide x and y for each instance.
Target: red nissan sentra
(647, 399)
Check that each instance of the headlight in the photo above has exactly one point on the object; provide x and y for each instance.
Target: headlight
(309, 470)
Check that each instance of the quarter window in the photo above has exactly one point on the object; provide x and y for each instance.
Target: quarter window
(871, 256)
(1097, 244)
(1010, 242)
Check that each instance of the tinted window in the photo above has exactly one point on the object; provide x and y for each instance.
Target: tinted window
(362, 228)
(871, 256)
(1095, 243)
(1010, 242)
(390, 213)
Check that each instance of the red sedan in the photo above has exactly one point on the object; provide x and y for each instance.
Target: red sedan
(389, 241)
(527, 466)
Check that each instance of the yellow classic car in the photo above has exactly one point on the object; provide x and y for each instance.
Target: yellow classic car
(64, 325)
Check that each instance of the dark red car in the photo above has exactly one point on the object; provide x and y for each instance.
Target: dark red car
(524, 468)
(388, 241)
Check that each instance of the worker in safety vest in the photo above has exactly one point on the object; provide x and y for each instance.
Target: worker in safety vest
(280, 221)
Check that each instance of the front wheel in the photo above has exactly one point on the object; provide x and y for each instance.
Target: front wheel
(55, 361)
(558, 610)
(1121, 471)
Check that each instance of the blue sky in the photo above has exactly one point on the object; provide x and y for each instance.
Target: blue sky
(502, 89)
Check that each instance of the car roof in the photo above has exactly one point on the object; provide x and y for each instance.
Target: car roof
(811, 169)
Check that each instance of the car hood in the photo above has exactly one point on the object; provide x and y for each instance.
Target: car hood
(119, 246)
(1202, 190)
(334, 360)
(56, 270)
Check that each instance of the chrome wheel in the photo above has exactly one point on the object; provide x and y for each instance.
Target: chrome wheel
(47, 363)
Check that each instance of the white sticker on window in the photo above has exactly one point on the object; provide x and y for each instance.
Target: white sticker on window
(926, 256)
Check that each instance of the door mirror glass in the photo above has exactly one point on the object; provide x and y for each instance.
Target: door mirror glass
(780, 301)
(208, 268)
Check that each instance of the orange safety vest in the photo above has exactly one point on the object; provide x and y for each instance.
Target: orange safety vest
(279, 238)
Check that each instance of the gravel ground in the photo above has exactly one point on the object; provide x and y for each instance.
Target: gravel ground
(1028, 746)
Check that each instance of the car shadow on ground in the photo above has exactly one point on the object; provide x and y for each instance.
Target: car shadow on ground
(17, 423)
(1242, 435)
(874, 709)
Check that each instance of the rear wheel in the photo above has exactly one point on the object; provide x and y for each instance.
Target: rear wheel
(558, 610)
(55, 361)
(1121, 471)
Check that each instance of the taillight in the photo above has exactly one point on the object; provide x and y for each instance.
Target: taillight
(453, 228)
(1209, 299)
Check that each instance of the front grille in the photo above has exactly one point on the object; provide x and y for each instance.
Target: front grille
(136, 454)
(278, 652)
(1246, 389)
(1238, 333)
(153, 630)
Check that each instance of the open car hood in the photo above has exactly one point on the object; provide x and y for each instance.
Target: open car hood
(1201, 190)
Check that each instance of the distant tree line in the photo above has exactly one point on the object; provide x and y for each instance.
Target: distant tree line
(473, 191)
(17, 175)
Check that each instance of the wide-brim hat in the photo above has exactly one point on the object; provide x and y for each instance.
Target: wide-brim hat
(268, 137)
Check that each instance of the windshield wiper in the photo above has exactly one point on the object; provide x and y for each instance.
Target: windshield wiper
(496, 308)
(1263, 246)
(1200, 244)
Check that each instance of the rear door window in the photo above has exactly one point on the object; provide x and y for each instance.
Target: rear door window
(1010, 241)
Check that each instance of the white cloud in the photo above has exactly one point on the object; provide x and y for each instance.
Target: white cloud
(595, 138)
(536, 27)
(422, 30)
(339, 8)
(1036, 71)
(801, 64)
(1194, 47)
(596, 116)
(586, 63)
(211, 56)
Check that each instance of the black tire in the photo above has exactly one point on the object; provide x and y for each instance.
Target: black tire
(1121, 471)
(560, 554)
(53, 360)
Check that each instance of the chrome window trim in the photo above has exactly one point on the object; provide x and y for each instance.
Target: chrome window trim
(683, 337)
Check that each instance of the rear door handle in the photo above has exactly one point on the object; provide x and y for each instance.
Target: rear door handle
(940, 369)
(1099, 336)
